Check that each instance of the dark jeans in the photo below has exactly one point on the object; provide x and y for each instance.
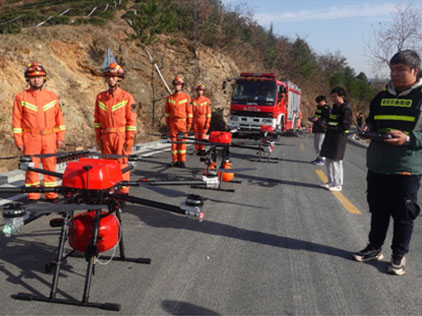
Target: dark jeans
(395, 196)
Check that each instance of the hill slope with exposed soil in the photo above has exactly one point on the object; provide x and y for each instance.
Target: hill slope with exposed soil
(72, 57)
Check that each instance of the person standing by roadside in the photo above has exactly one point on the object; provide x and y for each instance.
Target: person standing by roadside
(201, 118)
(321, 116)
(38, 127)
(178, 114)
(359, 120)
(334, 145)
(395, 165)
(115, 119)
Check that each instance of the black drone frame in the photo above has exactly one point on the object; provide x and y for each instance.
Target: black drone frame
(85, 199)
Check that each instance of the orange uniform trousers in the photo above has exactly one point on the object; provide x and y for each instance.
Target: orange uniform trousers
(177, 126)
(40, 144)
(200, 130)
(113, 144)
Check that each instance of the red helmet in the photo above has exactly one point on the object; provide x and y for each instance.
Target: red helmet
(200, 87)
(114, 70)
(34, 70)
(178, 80)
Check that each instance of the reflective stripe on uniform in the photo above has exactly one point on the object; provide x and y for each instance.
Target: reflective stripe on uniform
(50, 184)
(97, 125)
(17, 130)
(49, 105)
(203, 103)
(166, 115)
(183, 101)
(208, 115)
(29, 106)
(395, 118)
(118, 105)
(171, 101)
(405, 103)
(62, 128)
(131, 128)
(190, 115)
(102, 106)
(32, 184)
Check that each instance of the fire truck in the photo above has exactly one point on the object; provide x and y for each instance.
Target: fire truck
(260, 99)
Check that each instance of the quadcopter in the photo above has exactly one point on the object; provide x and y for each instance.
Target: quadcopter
(218, 165)
(266, 137)
(90, 184)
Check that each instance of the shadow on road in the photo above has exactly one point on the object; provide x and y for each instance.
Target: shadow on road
(184, 308)
(162, 219)
(269, 182)
(29, 258)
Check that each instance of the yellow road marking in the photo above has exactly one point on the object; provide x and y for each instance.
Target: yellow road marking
(302, 146)
(342, 199)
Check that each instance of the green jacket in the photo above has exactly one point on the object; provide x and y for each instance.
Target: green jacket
(389, 159)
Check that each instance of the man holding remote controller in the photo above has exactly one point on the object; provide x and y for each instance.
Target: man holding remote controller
(395, 163)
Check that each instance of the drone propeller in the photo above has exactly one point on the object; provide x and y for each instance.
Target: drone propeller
(8, 158)
(45, 208)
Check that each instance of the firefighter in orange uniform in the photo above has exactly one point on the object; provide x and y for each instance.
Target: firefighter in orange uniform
(115, 119)
(38, 127)
(201, 118)
(178, 113)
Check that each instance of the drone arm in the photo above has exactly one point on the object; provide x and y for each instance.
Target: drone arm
(137, 200)
(158, 183)
(47, 172)
(128, 168)
(29, 189)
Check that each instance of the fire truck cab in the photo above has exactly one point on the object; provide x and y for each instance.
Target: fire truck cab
(260, 99)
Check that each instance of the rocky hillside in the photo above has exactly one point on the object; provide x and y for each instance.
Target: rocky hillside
(72, 56)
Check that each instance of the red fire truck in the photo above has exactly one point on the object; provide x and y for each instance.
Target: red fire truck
(260, 99)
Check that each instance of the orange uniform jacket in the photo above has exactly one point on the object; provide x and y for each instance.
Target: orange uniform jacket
(113, 114)
(178, 113)
(115, 125)
(201, 118)
(37, 125)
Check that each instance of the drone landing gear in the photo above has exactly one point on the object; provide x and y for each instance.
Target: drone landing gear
(90, 255)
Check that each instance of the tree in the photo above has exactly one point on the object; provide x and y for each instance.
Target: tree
(404, 32)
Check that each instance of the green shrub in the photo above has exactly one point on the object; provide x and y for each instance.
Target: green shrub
(97, 21)
(11, 28)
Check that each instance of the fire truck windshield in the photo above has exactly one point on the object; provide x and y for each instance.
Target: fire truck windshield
(254, 92)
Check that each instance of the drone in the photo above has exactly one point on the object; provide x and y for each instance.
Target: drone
(266, 137)
(218, 164)
(91, 184)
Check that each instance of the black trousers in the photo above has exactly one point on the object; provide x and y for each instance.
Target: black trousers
(395, 196)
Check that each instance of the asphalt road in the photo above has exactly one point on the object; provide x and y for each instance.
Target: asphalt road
(278, 245)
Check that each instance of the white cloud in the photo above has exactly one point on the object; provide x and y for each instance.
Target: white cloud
(331, 13)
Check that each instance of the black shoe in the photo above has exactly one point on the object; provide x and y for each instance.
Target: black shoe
(397, 265)
(182, 164)
(174, 164)
(368, 254)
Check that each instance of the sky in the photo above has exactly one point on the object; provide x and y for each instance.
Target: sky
(327, 26)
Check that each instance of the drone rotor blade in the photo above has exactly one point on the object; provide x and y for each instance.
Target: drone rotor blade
(45, 208)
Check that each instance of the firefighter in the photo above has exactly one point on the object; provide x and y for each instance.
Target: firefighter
(201, 118)
(115, 119)
(38, 127)
(178, 113)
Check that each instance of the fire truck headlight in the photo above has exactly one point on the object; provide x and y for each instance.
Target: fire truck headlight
(234, 118)
(267, 121)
